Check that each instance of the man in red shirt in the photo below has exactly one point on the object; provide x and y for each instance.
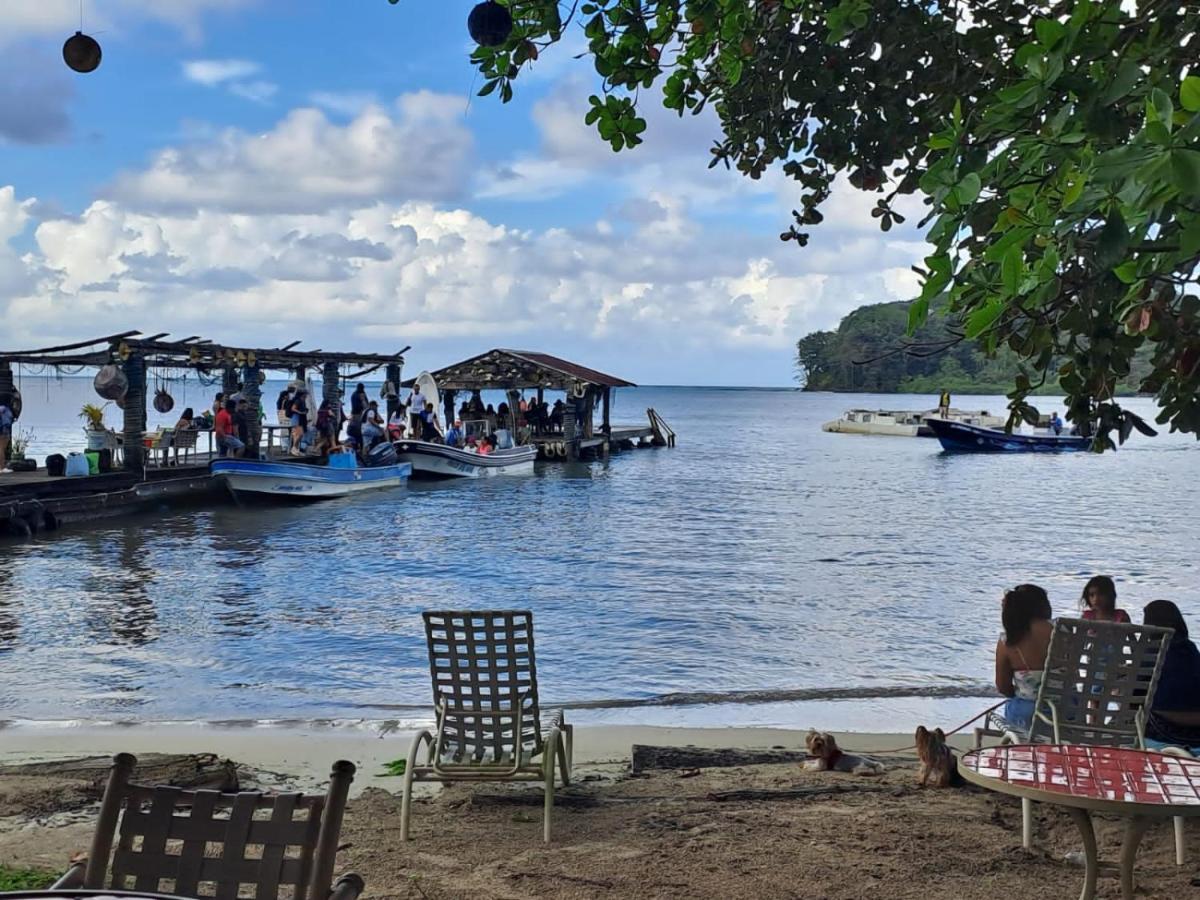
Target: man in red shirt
(228, 443)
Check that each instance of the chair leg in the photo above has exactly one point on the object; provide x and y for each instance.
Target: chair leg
(406, 796)
(1026, 823)
(1180, 855)
(548, 764)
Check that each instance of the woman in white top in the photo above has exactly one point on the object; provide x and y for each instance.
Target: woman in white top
(1021, 650)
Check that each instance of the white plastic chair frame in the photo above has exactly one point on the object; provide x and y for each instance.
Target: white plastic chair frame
(1097, 688)
(527, 752)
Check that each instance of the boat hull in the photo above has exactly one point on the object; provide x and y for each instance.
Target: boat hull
(956, 437)
(439, 461)
(301, 481)
(904, 423)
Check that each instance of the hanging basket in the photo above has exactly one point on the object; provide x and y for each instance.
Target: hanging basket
(163, 402)
(111, 383)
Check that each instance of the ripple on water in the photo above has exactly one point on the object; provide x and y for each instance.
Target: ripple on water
(769, 556)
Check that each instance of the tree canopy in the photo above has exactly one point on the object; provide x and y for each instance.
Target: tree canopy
(1057, 146)
(862, 355)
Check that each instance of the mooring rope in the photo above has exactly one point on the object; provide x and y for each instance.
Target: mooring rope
(973, 718)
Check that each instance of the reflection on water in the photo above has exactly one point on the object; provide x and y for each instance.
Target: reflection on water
(760, 554)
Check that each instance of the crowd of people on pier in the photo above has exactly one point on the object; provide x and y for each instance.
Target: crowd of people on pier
(1023, 647)
(316, 427)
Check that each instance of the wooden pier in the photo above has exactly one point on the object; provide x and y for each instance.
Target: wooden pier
(31, 502)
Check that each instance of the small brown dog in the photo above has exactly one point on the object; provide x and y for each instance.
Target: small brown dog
(829, 758)
(938, 766)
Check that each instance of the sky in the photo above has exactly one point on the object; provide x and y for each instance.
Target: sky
(264, 171)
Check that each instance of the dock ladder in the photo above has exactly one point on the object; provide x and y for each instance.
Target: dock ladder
(664, 434)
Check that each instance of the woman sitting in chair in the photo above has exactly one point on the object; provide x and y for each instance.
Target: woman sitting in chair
(186, 421)
(1021, 650)
(1175, 716)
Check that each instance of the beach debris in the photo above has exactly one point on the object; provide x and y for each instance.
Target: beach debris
(689, 773)
(646, 756)
(807, 792)
(395, 767)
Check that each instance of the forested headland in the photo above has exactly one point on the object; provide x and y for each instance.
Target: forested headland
(861, 355)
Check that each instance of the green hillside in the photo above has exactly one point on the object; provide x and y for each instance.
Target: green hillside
(864, 355)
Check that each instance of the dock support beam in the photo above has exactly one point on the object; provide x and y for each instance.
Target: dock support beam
(393, 399)
(7, 385)
(448, 409)
(135, 413)
(606, 423)
(252, 391)
(229, 381)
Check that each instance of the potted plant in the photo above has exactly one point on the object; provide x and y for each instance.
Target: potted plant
(93, 427)
(19, 443)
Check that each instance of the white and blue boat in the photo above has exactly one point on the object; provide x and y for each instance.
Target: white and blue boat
(959, 437)
(439, 461)
(308, 481)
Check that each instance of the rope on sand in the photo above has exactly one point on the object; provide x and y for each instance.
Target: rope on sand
(973, 718)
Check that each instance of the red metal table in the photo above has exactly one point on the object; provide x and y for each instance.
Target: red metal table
(1138, 785)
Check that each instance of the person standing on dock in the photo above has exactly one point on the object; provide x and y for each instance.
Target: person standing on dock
(944, 405)
(6, 426)
(358, 400)
(228, 443)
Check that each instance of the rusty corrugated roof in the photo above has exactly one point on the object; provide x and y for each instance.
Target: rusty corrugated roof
(573, 370)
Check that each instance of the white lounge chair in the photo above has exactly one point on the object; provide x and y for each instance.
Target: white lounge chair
(489, 723)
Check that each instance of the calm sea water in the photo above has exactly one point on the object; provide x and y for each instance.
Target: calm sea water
(761, 554)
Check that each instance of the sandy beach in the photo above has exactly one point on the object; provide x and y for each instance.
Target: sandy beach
(662, 833)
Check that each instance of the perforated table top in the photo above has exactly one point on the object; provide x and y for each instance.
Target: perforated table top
(1130, 782)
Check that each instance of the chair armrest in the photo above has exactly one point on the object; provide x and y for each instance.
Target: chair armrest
(348, 887)
(73, 877)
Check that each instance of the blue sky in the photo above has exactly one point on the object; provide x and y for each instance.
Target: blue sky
(272, 170)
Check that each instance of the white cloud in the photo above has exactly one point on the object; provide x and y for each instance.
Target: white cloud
(211, 72)
(343, 103)
(419, 150)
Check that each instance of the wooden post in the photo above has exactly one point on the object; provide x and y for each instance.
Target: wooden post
(7, 385)
(301, 374)
(393, 401)
(135, 413)
(252, 391)
(229, 381)
(448, 408)
(606, 422)
(331, 389)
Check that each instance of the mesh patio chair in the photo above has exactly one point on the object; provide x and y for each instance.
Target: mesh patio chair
(185, 441)
(212, 844)
(489, 723)
(1097, 688)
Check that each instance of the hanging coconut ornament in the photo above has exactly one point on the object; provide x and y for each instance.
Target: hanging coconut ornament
(82, 52)
(489, 24)
(163, 402)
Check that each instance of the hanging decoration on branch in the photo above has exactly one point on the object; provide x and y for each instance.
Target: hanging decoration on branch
(82, 52)
(489, 24)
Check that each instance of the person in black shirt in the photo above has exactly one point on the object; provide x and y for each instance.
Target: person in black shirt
(241, 421)
(358, 400)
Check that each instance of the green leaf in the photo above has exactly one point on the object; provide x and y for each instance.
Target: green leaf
(1127, 272)
(1189, 94)
(1162, 106)
(1123, 81)
(918, 312)
(1185, 171)
(984, 318)
(1049, 32)
(1114, 241)
(968, 189)
(1012, 267)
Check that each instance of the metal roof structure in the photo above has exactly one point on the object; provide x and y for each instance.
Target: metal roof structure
(518, 369)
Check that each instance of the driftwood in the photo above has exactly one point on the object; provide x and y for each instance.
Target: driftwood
(798, 793)
(187, 770)
(649, 757)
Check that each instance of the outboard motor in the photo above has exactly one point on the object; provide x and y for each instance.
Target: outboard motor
(382, 454)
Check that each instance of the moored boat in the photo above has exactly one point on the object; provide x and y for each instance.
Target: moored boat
(307, 481)
(439, 461)
(904, 423)
(959, 437)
